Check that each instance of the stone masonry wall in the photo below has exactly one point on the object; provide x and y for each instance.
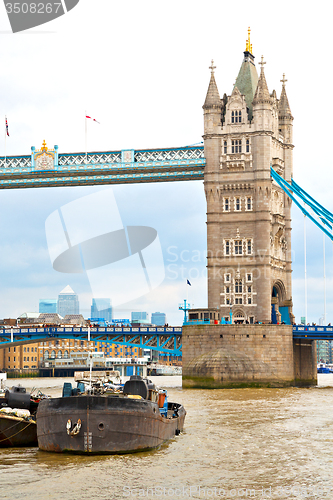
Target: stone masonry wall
(241, 355)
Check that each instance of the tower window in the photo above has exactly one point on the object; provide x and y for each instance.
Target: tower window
(238, 300)
(249, 300)
(225, 147)
(249, 203)
(227, 278)
(238, 286)
(249, 247)
(226, 204)
(249, 277)
(227, 247)
(236, 116)
(249, 289)
(247, 145)
(236, 146)
(227, 289)
(237, 204)
(238, 247)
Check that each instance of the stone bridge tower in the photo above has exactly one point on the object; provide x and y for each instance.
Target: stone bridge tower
(248, 215)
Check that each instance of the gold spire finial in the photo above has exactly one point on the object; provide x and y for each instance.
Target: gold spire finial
(248, 47)
(44, 148)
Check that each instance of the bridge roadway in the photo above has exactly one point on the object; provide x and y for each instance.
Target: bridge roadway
(162, 339)
(105, 167)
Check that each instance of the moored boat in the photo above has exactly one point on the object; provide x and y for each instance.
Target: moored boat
(100, 420)
(18, 418)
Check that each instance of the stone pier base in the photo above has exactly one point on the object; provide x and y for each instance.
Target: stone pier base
(222, 356)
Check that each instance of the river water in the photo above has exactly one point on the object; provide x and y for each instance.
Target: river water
(240, 443)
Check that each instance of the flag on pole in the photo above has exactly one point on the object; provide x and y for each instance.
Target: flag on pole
(92, 119)
(188, 283)
(7, 126)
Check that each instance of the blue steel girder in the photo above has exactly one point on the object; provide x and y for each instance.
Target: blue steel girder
(167, 340)
(108, 167)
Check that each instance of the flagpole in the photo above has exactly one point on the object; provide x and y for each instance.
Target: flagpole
(5, 141)
(86, 146)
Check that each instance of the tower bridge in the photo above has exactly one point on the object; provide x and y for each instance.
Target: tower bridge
(246, 164)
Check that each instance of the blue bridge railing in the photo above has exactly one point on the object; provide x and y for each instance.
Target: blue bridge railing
(163, 339)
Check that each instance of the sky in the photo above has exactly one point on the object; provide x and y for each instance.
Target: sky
(142, 70)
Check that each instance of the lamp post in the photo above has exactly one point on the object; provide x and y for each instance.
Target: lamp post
(185, 307)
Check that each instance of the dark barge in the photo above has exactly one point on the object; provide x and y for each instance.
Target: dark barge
(135, 419)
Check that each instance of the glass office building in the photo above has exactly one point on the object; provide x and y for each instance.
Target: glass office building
(68, 302)
(101, 309)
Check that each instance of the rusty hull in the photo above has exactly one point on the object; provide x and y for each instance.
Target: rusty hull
(109, 424)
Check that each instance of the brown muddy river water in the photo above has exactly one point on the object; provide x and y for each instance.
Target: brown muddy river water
(241, 443)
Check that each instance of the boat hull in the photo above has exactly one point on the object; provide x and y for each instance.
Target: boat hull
(109, 424)
(16, 431)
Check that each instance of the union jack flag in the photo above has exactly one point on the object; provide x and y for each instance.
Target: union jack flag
(7, 126)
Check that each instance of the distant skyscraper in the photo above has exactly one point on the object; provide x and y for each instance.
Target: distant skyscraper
(68, 302)
(158, 319)
(139, 317)
(101, 308)
(48, 306)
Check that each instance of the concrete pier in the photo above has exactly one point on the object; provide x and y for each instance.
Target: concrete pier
(227, 356)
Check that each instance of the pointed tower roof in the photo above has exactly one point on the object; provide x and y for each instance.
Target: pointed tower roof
(67, 290)
(284, 108)
(262, 93)
(247, 78)
(213, 96)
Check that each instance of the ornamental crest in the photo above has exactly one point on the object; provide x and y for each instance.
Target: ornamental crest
(44, 159)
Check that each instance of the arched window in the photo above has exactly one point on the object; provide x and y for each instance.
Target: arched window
(249, 203)
(225, 147)
(59, 355)
(66, 355)
(46, 354)
(53, 355)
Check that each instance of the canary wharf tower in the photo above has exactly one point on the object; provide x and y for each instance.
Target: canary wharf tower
(248, 215)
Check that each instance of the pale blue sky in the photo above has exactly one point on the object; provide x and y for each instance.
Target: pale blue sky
(141, 69)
